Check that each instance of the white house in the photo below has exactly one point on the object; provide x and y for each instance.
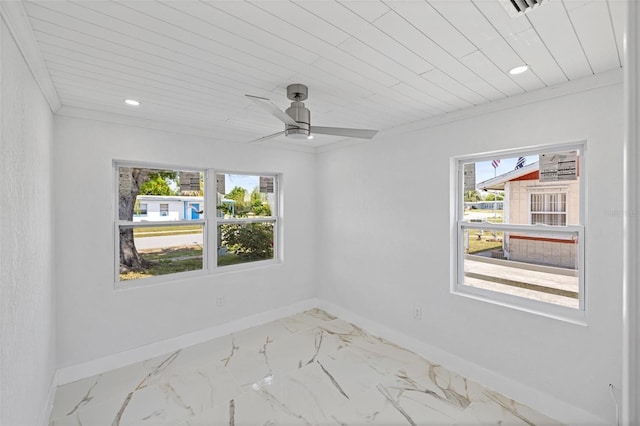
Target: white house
(151, 208)
(527, 200)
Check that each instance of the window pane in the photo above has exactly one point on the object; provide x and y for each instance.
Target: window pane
(165, 194)
(140, 209)
(511, 190)
(245, 196)
(152, 251)
(245, 242)
(537, 266)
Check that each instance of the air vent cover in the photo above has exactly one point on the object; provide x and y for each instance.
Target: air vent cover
(520, 7)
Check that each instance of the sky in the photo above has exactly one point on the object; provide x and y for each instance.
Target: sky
(485, 171)
(248, 182)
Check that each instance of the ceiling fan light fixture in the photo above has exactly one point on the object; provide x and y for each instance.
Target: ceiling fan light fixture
(297, 118)
(519, 69)
(297, 133)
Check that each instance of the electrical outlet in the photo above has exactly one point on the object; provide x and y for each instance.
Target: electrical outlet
(220, 301)
(417, 312)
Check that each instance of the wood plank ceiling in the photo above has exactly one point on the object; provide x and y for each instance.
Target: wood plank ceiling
(368, 64)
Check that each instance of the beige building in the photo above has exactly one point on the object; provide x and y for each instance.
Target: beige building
(528, 201)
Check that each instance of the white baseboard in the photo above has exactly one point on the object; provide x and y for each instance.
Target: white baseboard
(540, 401)
(91, 368)
(533, 398)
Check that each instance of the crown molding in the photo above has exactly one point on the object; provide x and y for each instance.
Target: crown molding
(166, 126)
(14, 15)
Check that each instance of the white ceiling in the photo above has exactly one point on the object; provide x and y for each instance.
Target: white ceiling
(368, 64)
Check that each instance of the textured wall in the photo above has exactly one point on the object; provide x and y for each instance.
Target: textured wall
(95, 320)
(26, 256)
(389, 248)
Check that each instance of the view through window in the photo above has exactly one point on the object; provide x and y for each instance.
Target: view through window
(247, 210)
(162, 225)
(161, 222)
(520, 230)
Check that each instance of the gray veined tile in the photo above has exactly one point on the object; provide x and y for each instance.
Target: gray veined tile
(310, 368)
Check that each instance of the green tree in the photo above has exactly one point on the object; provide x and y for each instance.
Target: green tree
(471, 195)
(159, 183)
(238, 194)
(259, 204)
(494, 197)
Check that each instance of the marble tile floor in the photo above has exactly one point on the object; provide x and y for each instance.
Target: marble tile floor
(307, 369)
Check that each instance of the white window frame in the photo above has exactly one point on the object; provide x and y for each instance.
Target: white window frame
(209, 220)
(458, 226)
(143, 282)
(274, 218)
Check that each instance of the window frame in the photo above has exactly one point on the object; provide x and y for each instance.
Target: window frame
(275, 218)
(458, 226)
(209, 221)
(120, 224)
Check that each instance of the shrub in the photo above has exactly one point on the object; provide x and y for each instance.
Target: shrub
(251, 240)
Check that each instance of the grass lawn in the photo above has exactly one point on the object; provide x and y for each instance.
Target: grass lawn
(487, 241)
(178, 259)
(168, 261)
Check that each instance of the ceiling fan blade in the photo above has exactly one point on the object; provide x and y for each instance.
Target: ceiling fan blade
(273, 109)
(341, 131)
(264, 138)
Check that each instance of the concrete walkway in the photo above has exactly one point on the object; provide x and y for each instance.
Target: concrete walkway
(553, 285)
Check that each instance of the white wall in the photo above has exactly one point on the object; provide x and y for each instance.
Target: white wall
(26, 234)
(385, 226)
(95, 320)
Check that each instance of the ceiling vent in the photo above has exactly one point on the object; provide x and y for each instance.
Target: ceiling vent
(520, 7)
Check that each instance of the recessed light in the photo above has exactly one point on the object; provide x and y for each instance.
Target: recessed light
(519, 69)
(132, 102)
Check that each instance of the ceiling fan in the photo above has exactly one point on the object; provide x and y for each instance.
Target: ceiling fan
(297, 118)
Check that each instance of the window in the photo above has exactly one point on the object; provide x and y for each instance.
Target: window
(170, 222)
(549, 209)
(519, 231)
(141, 210)
(152, 237)
(247, 219)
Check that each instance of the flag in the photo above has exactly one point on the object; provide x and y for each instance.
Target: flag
(519, 163)
(495, 163)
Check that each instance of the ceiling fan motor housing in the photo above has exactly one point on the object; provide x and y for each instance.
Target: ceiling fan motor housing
(302, 116)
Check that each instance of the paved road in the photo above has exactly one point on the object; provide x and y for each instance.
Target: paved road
(168, 241)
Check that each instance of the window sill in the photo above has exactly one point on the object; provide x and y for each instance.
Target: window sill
(182, 276)
(258, 264)
(548, 310)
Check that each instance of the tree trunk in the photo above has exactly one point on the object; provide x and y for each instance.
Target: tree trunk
(130, 180)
